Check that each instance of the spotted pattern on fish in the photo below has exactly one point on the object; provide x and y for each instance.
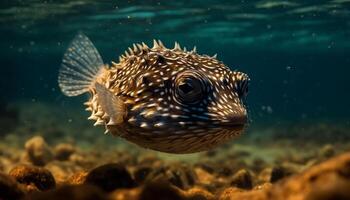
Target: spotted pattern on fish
(170, 100)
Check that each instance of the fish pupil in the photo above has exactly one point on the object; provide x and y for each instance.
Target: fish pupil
(186, 88)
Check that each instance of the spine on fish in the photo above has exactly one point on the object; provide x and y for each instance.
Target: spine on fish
(81, 66)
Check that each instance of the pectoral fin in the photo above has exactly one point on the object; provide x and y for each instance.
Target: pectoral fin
(111, 104)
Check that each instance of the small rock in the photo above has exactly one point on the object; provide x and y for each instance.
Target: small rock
(40, 177)
(180, 175)
(177, 174)
(232, 193)
(242, 179)
(278, 173)
(174, 174)
(126, 194)
(293, 168)
(77, 178)
(273, 174)
(225, 171)
(37, 151)
(208, 166)
(264, 176)
(329, 187)
(110, 177)
(160, 189)
(31, 188)
(61, 170)
(72, 192)
(198, 194)
(209, 181)
(6, 164)
(326, 181)
(204, 177)
(141, 172)
(63, 151)
(9, 188)
(84, 160)
(327, 151)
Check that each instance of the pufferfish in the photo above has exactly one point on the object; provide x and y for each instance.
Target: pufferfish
(169, 100)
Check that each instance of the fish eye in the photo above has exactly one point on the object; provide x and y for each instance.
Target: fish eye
(189, 89)
(186, 88)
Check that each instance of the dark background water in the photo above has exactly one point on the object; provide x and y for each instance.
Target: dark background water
(297, 53)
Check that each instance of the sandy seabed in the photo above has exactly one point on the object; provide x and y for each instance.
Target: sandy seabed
(49, 156)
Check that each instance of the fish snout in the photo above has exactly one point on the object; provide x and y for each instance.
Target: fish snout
(235, 121)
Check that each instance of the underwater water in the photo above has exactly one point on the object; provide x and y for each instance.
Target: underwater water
(296, 53)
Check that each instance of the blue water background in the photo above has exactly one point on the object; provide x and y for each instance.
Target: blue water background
(297, 53)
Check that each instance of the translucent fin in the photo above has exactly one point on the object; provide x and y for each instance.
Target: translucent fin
(80, 65)
(110, 104)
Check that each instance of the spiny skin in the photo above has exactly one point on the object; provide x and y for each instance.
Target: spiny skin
(177, 101)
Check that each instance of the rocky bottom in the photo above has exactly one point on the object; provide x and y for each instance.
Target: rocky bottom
(68, 171)
(49, 154)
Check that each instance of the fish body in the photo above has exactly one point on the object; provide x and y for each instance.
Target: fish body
(170, 100)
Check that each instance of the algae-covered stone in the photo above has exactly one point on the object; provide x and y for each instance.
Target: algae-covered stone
(63, 151)
(326, 181)
(110, 177)
(38, 151)
(197, 193)
(71, 192)
(61, 170)
(177, 174)
(77, 178)
(160, 189)
(242, 179)
(141, 172)
(9, 188)
(40, 177)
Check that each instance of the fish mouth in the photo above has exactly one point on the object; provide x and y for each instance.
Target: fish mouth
(235, 123)
(235, 127)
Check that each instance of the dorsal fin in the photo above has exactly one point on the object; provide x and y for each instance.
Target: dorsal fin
(81, 65)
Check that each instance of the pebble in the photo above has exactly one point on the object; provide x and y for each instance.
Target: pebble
(204, 177)
(278, 173)
(39, 177)
(77, 178)
(233, 193)
(110, 177)
(197, 193)
(179, 175)
(242, 179)
(329, 180)
(61, 170)
(38, 151)
(160, 189)
(9, 188)
(273, 174)
(63, 151)
(126, 194)
(327, 151)
(71, 192)
(141, 173)
(209, 181)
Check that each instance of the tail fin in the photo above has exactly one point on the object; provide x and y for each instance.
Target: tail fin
(81, 65)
